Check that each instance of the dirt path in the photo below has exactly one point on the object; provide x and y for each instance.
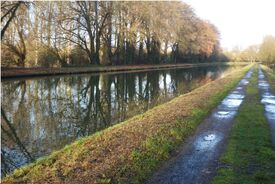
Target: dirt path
(268, 99)
(197, 160)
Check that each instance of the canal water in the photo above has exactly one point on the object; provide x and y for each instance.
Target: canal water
(41, 115)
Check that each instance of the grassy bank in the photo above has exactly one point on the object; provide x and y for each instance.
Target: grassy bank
(45, 71)
(249, 156)
(130, 151)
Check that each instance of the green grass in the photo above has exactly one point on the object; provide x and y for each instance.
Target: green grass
(130, 151)
(249, 156)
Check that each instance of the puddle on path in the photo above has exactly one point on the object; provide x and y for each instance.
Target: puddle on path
(201, 152)
(271, 116)
(268, 99)
(224, 114)
(235, 96)
(263, 85)
(207, 142)
(244, 81)
(231, 103)
(238, 88)
(270, 108)
(209, 137)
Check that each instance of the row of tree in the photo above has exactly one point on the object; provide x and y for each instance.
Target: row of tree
(99, 32)
(264, 52)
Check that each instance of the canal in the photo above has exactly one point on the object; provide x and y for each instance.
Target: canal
(41, 115)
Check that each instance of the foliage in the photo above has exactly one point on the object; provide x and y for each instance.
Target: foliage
(45, 57)
(267, 50)
(78, 57)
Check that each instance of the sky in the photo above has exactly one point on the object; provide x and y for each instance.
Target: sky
(241, 23)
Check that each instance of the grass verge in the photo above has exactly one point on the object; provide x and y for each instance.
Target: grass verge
(130, 151)
(249, 156)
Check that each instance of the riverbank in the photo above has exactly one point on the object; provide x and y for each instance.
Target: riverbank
(130, 151)
(249, 156)
(44, 71)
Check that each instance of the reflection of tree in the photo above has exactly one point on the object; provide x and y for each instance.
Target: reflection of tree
(51, 87)
(121, 96)
(89, 118)
(154, 87)
(130, 86)
(10, 133)
(96, 115)
(105, 100)
(164, 83)
(140, 86)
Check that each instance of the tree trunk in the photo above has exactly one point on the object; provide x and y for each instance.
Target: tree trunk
(97, 36)
(165, 51)
(148, 47)
(49, 25)
(109, 40)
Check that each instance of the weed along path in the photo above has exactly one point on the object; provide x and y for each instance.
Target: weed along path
(268, 99)
(197, 160)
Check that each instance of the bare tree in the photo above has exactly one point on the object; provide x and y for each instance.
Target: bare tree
(109, 32)
(8, 11)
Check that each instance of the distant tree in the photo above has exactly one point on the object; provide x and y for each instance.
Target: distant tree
(251, 54)
(267, 50)
(264, 52)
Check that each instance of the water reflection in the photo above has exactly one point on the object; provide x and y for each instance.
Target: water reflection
(42, 115)
(224, 114)
(207, 141)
